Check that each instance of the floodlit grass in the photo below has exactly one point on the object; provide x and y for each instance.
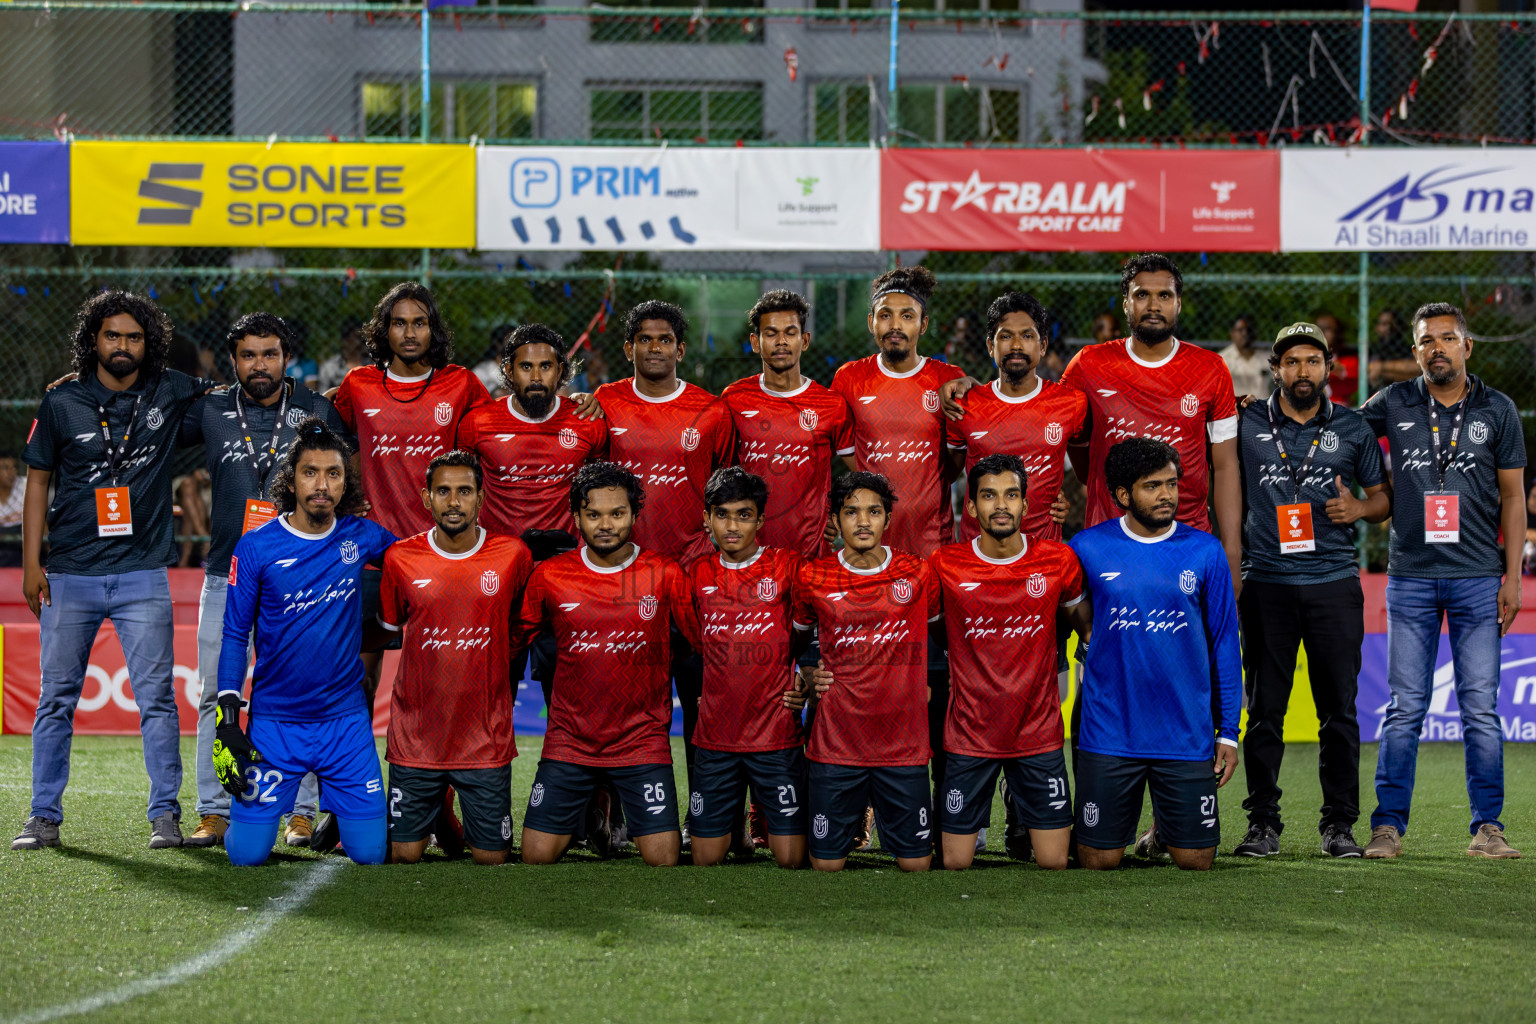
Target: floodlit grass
(1434, 936)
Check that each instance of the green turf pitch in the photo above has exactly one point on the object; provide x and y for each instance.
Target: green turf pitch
(1435, 936)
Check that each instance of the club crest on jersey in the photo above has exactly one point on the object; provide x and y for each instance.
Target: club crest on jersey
(1330, 441)
(648, 606)
(1053, 434)
(690, 438)
(901, 591)
(443, 414)
(349, 552)
(819, 826)
(490, 582)
(154, 418)
(931, 401)
(1090, 814)
(1036, 584)
(1187, 581)
(808, 419)
(954, 801)
(296, 416)
(1477, 431)
(696, 805)
(568, 438)
(537, 796)
(506, 826)
(1189, 405)
(767, 589)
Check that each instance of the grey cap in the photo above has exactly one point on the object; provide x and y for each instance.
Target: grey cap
(1300, 333)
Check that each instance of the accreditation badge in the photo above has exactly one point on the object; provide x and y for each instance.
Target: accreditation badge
(257, 513)
(1295, 523)
(114, 518)
(1442, 517)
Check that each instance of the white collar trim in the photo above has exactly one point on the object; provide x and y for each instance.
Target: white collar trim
(921, 362)
(392, 375)
(480, 543)
(1126, 526)
(1149, 365)
(741, 565)
(866, 572)
(634, 385)
(761, 383)
(976, 547)
(998, 391)
(306, 536)
(605, 570)
(512, 408)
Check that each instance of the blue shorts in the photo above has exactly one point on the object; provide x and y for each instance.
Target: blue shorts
(342, 754)
(900, 796)
(720, 780)
(1037, 785)
(1109, 791)
(558, 802)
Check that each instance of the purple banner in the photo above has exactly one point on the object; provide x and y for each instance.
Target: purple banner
(1517, 690)
(34, 192)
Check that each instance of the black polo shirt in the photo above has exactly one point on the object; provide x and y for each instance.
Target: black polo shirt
(66, 441)
(1346, 448)
(1491, 439)
(214, 421)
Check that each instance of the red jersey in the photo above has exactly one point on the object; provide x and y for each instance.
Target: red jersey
(899, 433)
(744, 635)
(873, 625)
(1037, 428)
(788, 438)
(401, 424)
(528, 463)
(454, 691)
(1184, 399)
(1000, 617)
(672, 445)
(612, 694)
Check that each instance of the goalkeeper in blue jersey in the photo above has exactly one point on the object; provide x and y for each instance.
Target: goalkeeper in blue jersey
(295, 580)
(1163, 662)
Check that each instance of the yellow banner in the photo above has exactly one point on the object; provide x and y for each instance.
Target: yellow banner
(327, 195)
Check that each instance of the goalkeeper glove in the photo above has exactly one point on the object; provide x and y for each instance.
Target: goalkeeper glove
(231, 745)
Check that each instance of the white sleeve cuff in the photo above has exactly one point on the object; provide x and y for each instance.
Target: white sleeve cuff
(1221, 430)
(386, 625)
(1230, 743)
(936, 618)
(1075, 601)
(800, 626)
(235, 692)
(847, 451)
(955, 447)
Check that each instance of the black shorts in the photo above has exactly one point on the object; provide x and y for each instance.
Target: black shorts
(1109, 793)
(900, 796)
(720, 780)
(485, 803)
(369, 586)
(1037, 785)
(561, 790)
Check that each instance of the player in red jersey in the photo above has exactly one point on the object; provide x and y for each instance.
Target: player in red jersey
(788, 427)
(612, 607)
(869, 739)
(1021, 413)
(455, 594)
(749, 722)
(1001, 594)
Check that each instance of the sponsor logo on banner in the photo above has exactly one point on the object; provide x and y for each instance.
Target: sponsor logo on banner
(1067, 200)
(650, 199)
(1408, 199)
(294, 194)
(34, 192)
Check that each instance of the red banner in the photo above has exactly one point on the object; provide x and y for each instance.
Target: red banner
(1088, 200)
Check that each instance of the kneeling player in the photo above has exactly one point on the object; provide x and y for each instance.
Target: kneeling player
(869, 740)
(1001, 593)
(611, 607)
(296, 580)
(1164, 650)
(457, 591)
(749, 726)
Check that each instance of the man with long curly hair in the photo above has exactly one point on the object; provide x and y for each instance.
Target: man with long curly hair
(102, 442)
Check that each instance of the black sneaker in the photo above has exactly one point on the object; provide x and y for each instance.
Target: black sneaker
(327, 834)
(1339, 841)
(36, 834)
(1261, 841)
(165, 832)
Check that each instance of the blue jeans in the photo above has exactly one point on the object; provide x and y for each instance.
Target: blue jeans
(139, 605)
(1414, 610)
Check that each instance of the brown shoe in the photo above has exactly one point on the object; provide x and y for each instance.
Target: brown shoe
(300, 828)
(210, 831)
(1489, 842)
(1386, 843)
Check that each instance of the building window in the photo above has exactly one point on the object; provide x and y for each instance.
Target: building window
(684, 28)
(651, 111)
(461, 108)
(845, 112)
(961, 113)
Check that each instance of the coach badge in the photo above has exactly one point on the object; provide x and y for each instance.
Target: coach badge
(901, 591)
(349, 551)
(931, 401)
(808, 419)
(648, 605)
(443, 414)
(696, 805)
(568, 438)
(1053, 434)
(954, 801)
(1189, 405)
(1477, 432)
(767, 589)
(819, 826)
(490, 582)
(537, 796)
(1036, 584)
(1187, 581)
(154, 418)
(1330, 441)
(295, 417)
(1090, 814)
(690, 438)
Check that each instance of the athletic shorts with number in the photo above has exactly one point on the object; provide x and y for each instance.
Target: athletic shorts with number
(341, 753)
(1037, 785)
(369, 582)
(720, 781)
(900, 796)
(485, 803)
(558, 802)
(1109, 791)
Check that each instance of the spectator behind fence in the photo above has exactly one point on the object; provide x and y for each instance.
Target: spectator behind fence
(1344, 376)
(1249, 367)
(350, 355)
(1392, 354)
(11, 500)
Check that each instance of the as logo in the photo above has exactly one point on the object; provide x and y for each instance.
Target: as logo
(901, 591)
(295, 417)
(819, 826)
(1330, 441)
(690, 438)
(648, 606)
(154, 418)
(537, 796)
(767, 589)
(183, 200)
(931, 401)
(808, 419)
(1053, 434)
(349, 552)
(1189, 405)
(1090, 814)
(1188, 581)
(443, 414)
(568, 438)
(954, 801)
(1036, 584)
(490, 582)
(696, 804)
(1477, 432)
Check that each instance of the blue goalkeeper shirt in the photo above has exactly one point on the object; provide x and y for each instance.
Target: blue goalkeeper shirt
(1164, 638)
(301, 593)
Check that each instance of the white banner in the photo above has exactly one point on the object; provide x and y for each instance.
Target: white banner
(655, 199)
(1400, 200)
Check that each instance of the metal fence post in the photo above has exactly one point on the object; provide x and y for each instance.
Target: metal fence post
(426, 112)
(893, 117)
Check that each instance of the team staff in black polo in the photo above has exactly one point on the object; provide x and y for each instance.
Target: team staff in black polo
(103, 442)
(1301, 456)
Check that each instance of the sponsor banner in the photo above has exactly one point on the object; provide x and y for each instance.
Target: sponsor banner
(1403, 200)
(288, 194)
(1080, 200)
(34, 192)
(655, 199)
(1517, 690)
